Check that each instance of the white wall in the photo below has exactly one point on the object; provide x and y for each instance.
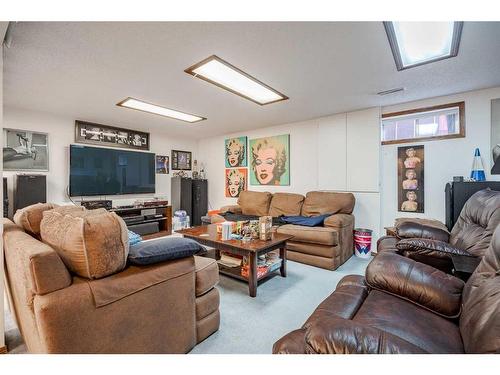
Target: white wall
(444, 158)
(61, 132)
(339, 153)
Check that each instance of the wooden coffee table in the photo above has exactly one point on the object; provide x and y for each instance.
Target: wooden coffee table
(207, 235)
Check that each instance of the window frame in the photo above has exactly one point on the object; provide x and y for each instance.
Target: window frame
(461, 123)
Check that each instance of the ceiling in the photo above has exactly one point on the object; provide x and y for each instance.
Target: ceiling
(82, 69)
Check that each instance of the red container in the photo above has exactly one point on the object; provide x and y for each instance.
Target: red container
(362, 242)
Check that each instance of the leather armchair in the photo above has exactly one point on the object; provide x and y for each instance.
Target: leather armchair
(404, 306)
(428, 241)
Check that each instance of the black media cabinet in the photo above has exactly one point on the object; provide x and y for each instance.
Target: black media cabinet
(148, 221)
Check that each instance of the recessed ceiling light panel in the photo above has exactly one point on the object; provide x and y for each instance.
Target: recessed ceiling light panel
(219, 72)
(418, 43)
(159, 110)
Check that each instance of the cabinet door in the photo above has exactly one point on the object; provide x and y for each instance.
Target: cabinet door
(363, 150)
(332, 153)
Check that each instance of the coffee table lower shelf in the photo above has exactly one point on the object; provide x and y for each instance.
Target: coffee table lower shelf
(235, 272)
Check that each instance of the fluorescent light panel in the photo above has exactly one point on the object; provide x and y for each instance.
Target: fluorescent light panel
(159, 110)
(417, 43)
(219, 72)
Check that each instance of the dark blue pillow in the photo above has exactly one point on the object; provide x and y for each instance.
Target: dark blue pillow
(162, 249)
(312, 221)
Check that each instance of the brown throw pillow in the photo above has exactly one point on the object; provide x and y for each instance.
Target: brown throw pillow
(92, 243)
(29, 218)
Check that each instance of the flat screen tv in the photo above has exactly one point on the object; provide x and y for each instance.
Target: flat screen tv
(103, 171)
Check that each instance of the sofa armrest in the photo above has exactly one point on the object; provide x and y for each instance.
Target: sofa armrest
(339, 221)
(416, 282)
(434, 248)
(48, 273)
(343, 336)
(416, 229)
(234, 208)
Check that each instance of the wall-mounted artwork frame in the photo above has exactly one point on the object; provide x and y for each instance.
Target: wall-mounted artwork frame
(181, 160)
(495, 136)
(270, 160)
(236, 180)
(162, 164)
(411, 179)
(25, 150)
(235, 151)
(110, 136)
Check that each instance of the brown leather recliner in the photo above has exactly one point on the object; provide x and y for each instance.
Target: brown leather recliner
(404, 306)
(429, 241)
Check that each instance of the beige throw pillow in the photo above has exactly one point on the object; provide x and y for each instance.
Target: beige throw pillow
(92, 243)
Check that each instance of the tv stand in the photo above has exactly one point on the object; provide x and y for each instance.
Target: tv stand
(152, 221)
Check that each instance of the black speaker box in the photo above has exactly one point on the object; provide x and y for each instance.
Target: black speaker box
(145, 228)
(30, 189)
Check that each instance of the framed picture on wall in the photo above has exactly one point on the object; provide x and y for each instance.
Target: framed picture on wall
(235, 181)
(411, 179)
(162, 166)
(495, 136)
(105, 135)
(235, 152)
(25, 150)
(270, 160)
(181, 160)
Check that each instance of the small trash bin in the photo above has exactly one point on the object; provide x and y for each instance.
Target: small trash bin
(362, 242)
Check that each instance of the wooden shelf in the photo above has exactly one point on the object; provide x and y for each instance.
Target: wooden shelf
(236, 272)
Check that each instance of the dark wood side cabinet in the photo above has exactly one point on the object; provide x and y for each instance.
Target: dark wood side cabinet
(190, 195)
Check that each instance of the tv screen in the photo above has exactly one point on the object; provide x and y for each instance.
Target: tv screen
(103, 171)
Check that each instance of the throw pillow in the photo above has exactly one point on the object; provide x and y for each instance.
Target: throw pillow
(162, 249)
(312, 221)
(133, 238)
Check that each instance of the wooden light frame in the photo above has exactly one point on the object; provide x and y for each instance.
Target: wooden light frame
(461, 122)
(393, 42)
(191, 69)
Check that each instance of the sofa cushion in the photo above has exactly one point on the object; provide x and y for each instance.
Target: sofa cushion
(319, 235)
(324, 202)
(92, 243)
(430, 332)
(206, 274)
(287, 204)
(254, 202)
(162, 249)
(29, 217)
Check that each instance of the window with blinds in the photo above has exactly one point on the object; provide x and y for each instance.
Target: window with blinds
(423, 124)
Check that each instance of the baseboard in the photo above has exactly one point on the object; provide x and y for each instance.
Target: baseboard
(3, 349)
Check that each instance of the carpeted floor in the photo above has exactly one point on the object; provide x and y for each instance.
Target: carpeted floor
(252, 325)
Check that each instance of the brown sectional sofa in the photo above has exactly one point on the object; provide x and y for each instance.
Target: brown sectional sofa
(328, 246)
(166, 307)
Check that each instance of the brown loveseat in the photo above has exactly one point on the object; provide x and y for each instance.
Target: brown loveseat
(403, 306)
(328, 246)
(166, 307)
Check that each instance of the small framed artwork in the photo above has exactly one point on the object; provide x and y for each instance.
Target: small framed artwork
(411, 179)
(181, 160)
(25, 150)
(162, 166)
(235, 181)
(235, 152)
(105, 135)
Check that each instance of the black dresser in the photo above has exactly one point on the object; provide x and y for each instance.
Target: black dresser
(457, 193)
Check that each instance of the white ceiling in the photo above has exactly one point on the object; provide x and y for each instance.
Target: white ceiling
(82, 69)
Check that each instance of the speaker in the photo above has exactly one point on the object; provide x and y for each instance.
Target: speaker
(145, 228)
(30, 189)
(5, 198)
